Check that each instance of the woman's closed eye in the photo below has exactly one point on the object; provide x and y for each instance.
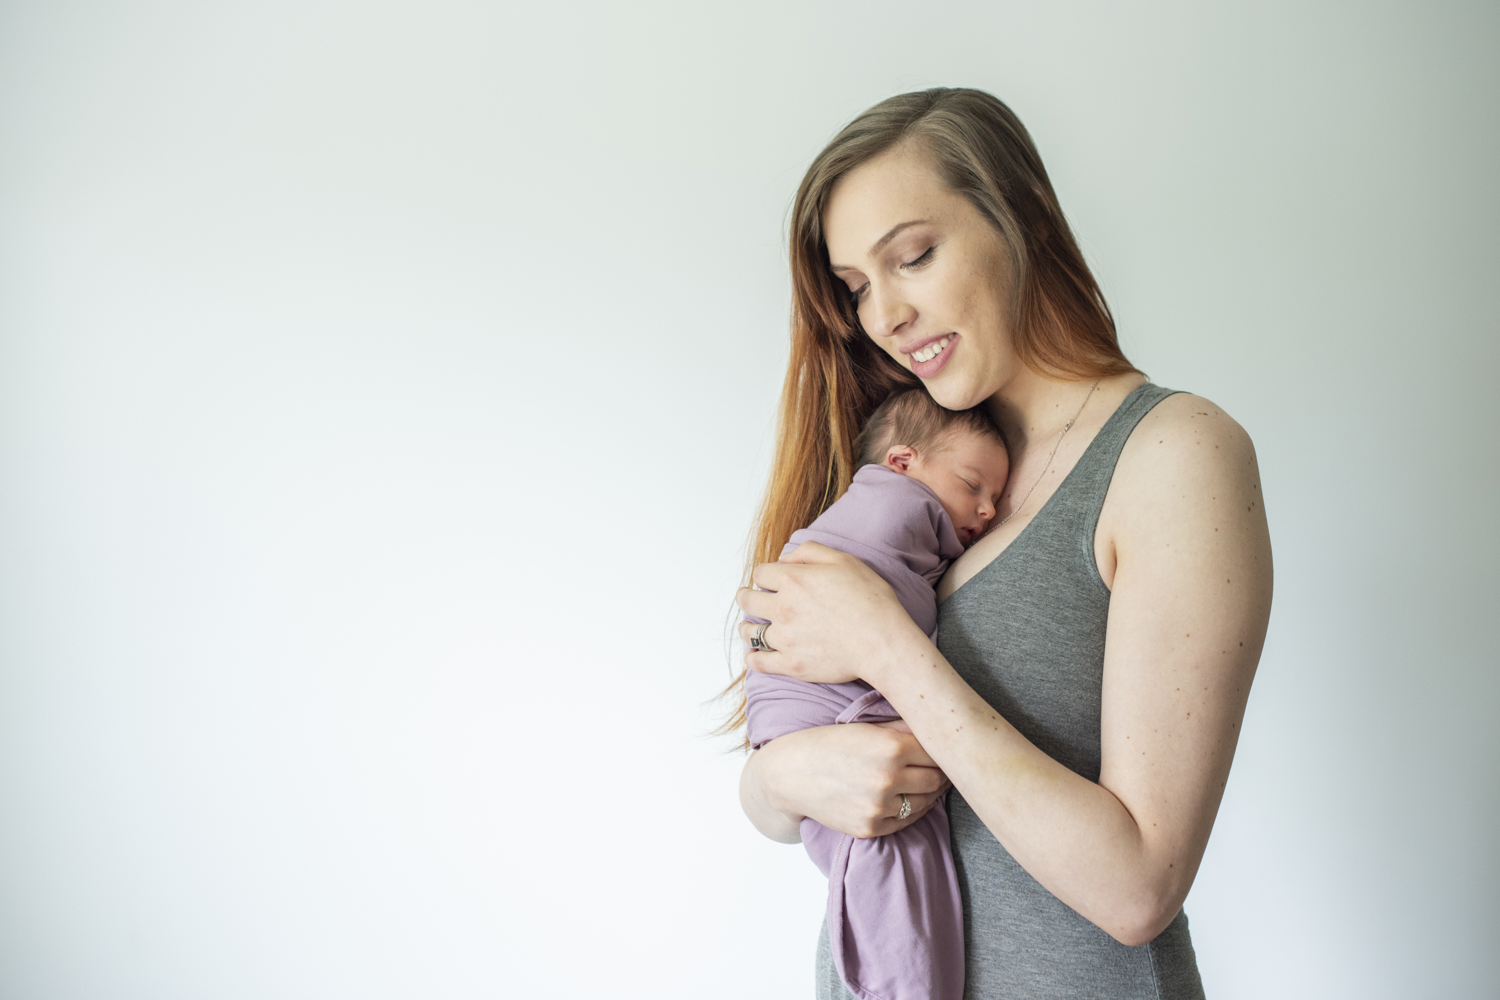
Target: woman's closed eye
(914, 264)
(921, 261)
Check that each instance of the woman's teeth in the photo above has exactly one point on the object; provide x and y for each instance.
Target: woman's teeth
(931, 350)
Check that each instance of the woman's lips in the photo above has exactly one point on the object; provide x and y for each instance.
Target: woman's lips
(933, 365)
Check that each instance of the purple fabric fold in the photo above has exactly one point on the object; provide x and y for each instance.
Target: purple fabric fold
(895, 919)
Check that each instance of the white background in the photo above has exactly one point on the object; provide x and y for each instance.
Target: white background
(385, 389)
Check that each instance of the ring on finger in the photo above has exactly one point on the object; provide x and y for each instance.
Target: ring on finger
(758, 641)
(905, 807)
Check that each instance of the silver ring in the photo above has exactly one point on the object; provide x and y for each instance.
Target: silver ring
(905, 807)
(758, 641)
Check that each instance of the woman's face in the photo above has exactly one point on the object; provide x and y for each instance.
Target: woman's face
(929, 275)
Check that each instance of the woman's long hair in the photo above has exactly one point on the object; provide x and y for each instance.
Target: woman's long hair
(837, 376)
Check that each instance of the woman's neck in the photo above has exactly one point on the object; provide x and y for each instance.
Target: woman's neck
(1032, 407)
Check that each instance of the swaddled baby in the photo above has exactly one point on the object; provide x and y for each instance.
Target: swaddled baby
(926, 488)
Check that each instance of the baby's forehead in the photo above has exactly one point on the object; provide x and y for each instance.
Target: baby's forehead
(965, 442)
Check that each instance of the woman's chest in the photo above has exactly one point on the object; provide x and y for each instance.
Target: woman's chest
(1027, 634)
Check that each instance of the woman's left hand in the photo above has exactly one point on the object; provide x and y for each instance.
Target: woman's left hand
(830, 614)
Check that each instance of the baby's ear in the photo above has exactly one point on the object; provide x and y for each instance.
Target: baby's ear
(899, 457)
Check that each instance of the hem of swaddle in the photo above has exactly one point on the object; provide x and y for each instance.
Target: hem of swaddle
(859, 705)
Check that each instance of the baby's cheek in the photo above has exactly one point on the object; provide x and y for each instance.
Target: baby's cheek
(956, 512)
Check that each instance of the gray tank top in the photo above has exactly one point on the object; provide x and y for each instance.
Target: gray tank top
(1027, 633)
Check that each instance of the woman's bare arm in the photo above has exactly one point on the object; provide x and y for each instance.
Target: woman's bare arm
(1186, 534)
(780, 823)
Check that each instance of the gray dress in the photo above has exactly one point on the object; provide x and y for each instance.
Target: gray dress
(1027, 633)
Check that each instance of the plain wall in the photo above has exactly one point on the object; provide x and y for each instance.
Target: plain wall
(385, 390)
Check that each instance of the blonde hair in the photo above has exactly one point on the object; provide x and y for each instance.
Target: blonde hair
(836, 376)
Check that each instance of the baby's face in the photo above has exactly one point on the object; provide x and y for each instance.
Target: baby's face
(967, 475)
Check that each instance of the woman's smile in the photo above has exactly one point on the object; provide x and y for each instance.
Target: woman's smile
(929, 355)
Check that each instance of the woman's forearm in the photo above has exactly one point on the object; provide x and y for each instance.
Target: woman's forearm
(756, 798)
(851, 778)
(1072, 835)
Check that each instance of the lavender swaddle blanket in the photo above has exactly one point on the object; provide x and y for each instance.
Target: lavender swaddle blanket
(895, 920)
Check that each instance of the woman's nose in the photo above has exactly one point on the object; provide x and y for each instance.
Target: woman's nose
(885, 313)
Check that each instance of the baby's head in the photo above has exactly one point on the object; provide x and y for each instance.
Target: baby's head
(958, 454)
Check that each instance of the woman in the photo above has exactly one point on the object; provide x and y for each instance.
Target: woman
(1095, 649)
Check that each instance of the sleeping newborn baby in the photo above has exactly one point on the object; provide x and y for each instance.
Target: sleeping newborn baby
(926, 489)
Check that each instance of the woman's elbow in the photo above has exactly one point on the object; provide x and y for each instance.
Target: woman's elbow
(770, 821)
(1135, 933)
(1141, 919)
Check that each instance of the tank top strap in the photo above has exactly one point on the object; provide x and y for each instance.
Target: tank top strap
(1091, 477)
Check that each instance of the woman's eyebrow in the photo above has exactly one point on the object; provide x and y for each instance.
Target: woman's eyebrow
(879, 244)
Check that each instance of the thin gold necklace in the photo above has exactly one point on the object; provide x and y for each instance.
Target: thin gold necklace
(1087, 396)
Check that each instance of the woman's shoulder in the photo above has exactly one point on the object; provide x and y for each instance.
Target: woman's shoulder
(1186, 452)
(1187, 479)
(1188, 431)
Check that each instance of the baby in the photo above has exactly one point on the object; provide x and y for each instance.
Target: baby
(926, 488)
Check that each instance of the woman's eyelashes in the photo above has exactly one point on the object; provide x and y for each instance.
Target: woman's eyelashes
(914, 264)
(924, 259)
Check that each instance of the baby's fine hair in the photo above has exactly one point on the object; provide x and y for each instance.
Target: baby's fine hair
(910, 417)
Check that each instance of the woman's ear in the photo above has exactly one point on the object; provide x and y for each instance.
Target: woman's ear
(899, 458)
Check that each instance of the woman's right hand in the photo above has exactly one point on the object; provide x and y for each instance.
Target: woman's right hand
(850, 778)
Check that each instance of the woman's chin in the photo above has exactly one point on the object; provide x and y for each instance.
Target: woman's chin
(953, 392)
